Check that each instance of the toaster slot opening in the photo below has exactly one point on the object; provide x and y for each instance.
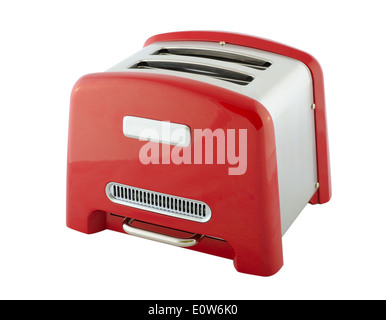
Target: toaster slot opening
(228, 56)
(220, 73)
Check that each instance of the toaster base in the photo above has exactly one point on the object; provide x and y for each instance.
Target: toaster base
(244, 258)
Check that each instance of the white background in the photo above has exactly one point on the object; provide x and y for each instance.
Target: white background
(332, 251)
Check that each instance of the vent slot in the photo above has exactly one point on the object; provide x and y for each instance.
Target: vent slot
(241, 59)
(220, 73)
(158, 202)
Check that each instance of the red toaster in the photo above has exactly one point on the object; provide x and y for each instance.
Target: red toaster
(212, 141)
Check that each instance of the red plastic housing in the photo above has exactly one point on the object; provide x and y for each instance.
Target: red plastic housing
(245, 208)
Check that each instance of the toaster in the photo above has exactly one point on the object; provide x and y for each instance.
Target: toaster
(210, 141)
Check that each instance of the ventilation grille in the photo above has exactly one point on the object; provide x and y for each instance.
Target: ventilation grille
(241, 59)
(216, 72)
(158, 202)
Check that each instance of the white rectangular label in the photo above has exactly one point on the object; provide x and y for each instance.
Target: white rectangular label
(158, 131)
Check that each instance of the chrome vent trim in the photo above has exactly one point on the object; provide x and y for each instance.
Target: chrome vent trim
(158, 202)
